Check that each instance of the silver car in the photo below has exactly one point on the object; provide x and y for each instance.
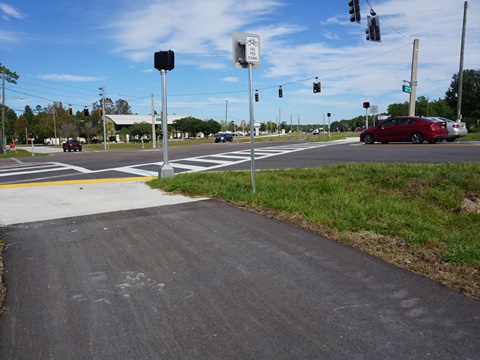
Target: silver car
(456, 129)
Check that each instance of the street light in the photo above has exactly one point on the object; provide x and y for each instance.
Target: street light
(102, 94)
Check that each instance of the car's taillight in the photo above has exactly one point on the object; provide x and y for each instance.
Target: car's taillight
(456, 126)
(439, 124)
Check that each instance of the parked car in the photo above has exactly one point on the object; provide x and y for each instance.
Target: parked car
(223, 138)
(315, 132)
(72, 145)
(96, 141)
(456, 129)
(406, 128)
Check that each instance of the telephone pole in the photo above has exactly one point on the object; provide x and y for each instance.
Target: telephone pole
(460, 72)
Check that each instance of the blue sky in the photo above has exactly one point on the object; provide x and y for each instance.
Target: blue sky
(65, 50)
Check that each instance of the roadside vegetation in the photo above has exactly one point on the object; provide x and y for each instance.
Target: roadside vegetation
(421, 217)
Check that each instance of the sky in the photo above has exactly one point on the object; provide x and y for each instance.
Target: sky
(65, 50)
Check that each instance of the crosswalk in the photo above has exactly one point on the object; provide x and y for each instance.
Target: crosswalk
(20, 172)
(216, 161)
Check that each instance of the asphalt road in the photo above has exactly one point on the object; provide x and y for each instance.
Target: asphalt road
(224, 156)
(206, 280)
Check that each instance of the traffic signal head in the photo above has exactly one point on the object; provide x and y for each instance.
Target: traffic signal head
(100, 111)
(164, 60)
(328, 114)
(354, 10)
(70, 111)
(86, 112)
(317, 87)
(366, 105)
(373, 29)
(280, 91)
(256, 96)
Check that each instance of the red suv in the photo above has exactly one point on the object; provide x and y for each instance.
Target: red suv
(72, 145)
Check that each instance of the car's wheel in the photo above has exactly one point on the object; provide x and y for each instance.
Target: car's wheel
(450, 140)
(69, 149)
(64, 150)
(369, 139)
(80, 149)
(433, 141)
(416, 138)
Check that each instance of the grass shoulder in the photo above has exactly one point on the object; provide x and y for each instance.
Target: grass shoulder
(411, 215)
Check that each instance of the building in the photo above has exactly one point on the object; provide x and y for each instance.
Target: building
(121, 121)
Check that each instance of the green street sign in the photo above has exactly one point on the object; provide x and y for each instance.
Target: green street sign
(407, 89)
(159, 119)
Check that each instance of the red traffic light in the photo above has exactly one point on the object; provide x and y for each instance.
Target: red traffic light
(366, 105)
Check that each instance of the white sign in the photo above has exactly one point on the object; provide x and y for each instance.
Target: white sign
(256, 125)
(252, 49)
(374, 109)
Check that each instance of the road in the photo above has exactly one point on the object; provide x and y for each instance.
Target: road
(225, 156)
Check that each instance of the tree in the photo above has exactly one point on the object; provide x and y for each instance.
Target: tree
(211, 127)
(10, 77)
(122, 107)
(470, 95)
(141, 130)
(19, 127)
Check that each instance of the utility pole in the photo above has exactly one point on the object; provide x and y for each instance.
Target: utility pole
(226, 113)
(4, 137)
(460, 72)
(54, 125)
(103, 118)
(413, 79)
(153, 125)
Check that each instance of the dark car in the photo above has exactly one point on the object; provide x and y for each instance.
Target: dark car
(96, 141)
(224, 138)
(70, 145)
(406, 128)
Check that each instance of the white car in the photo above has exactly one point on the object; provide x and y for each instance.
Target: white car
(456, 129)
(315, 132)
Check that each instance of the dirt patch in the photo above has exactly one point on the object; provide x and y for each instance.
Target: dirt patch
(425, 262)
(471, 204)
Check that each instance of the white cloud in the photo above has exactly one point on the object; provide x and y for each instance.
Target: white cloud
(231, 79)
(9, 11)
(72, 78)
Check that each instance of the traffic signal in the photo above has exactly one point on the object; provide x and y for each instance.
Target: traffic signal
(373, 29)
(100, 112)
(70, 111)
(86, 112)
(366, 105)
(354, 10)
(328, 114)
(256, 96)
(280, 91)
(317, 87)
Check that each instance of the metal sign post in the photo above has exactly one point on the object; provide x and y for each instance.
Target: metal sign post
(246, 54)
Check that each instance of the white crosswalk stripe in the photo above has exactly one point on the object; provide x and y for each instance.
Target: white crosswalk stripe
(191, 164)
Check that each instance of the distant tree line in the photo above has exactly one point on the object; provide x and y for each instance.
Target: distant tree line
(58, 119)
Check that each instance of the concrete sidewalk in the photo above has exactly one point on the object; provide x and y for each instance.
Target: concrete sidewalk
(47, 201)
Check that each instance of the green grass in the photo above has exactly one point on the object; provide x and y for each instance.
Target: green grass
(19, 154)
(418, 203)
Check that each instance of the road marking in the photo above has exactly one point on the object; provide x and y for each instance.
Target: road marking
(191, 164)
